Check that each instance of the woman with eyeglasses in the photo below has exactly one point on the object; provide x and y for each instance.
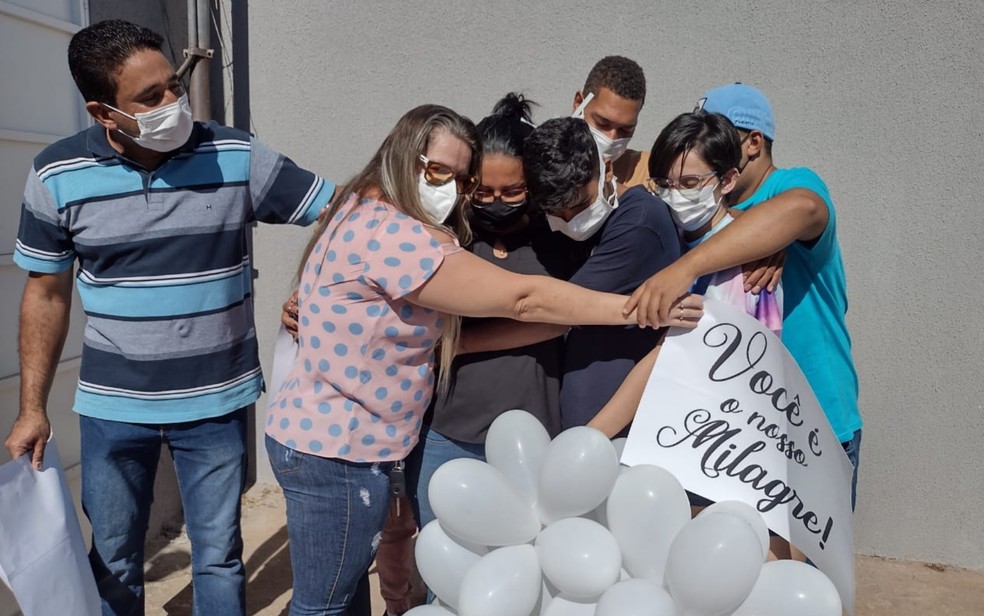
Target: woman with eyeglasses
(693, 165)
(511, 233)
(381, 285)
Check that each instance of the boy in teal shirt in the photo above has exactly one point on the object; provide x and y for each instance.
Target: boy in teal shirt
(786, 209)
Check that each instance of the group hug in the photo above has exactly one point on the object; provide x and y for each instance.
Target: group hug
(465, 270)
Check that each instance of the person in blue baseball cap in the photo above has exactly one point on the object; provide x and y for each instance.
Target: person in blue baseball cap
(787, 209)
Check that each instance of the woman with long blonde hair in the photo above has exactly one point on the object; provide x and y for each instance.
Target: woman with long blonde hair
(383, 284)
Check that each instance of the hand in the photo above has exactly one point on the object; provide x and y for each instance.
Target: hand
(654, 299)
(30, 433)
(685, 312)
(764, 273)
(289, 315)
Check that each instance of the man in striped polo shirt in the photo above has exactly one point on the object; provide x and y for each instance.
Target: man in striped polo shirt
(155, 208)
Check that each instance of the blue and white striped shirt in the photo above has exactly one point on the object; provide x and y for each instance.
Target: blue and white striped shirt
(164, 271)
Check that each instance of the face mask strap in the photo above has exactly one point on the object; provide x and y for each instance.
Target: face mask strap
(579, 112)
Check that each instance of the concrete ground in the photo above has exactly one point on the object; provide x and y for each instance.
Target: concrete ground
(885, 587)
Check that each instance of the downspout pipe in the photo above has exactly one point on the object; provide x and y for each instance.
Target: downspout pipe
(199, 39)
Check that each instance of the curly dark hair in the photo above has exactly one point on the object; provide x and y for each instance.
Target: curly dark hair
(621, 75)
(97, 52)
(560, 158)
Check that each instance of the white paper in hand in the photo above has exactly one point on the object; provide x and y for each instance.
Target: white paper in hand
(42, 554)
(284, 354)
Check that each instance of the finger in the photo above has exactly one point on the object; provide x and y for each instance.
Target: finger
(776, 277)
(665, 307)
(691, 314)
(633, 300)
(754, 279)
(692, 300)
(38, 458)
(639, 301)
(16, 450)
(648, 310)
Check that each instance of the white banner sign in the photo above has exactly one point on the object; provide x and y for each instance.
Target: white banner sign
(730, 414)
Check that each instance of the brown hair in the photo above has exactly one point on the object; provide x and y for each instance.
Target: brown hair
(393, 171)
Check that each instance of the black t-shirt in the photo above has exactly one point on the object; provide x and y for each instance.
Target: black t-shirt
(637, 240)
(484, 385)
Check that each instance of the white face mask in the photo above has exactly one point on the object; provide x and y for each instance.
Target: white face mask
(691, 208)
(610, 149)
(164, 129)
(437, 201)
(587, 222)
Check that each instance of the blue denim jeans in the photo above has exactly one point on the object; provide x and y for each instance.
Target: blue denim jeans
(433, 450)
(119, 463)
(335, 515)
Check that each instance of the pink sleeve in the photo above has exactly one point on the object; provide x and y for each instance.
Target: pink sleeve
(402, 255)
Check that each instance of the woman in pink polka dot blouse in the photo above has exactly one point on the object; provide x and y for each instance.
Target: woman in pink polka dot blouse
(383, 283)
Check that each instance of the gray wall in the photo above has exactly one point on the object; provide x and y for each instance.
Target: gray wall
(882, 98)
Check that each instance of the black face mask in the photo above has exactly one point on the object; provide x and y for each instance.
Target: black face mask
(498, 216)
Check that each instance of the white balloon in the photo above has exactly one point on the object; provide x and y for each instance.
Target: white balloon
(474, 502)
(636, 597)
(747, 513)
(515, 444)
(713, 564)
(505, 582)
(443, 562)
(563, 606)
(645, 511)
(791, 587)
(429, 610)
(580, 557)
(577, 474)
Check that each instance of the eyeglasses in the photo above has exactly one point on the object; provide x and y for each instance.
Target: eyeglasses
(438, 174)
(686, 182)
(484, 195)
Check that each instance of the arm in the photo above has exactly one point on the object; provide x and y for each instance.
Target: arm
(504, 334)
(621, 409)
(470, 286)
(44, 319)
(797, 214)
(281, 192)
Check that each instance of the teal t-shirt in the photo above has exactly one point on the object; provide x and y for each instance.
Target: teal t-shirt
(814, 307)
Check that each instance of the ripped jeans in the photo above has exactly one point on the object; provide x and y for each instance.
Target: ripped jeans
(335, 515)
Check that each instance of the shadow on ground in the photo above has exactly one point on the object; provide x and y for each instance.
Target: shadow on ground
(267, 567)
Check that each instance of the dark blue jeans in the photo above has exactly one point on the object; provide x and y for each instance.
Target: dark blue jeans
(433, 450)
(119, 463)
(335, 515)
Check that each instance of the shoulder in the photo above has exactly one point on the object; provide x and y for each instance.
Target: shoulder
(383, 221)
(214, 131)
(796, 177)
(67, 150)
(212, 135)
(637, 207)
(632, 168)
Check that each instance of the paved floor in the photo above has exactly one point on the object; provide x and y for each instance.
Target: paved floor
(885, 587)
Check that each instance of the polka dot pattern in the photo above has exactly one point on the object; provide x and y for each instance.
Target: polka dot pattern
(360, 384)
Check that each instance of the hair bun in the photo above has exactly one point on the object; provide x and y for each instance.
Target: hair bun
(514, 106)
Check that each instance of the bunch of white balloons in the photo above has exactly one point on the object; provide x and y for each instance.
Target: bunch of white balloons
(558, 528)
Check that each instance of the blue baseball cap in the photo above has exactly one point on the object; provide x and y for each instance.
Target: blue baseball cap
(746, 107)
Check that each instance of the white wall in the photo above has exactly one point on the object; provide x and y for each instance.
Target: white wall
(882, 98)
